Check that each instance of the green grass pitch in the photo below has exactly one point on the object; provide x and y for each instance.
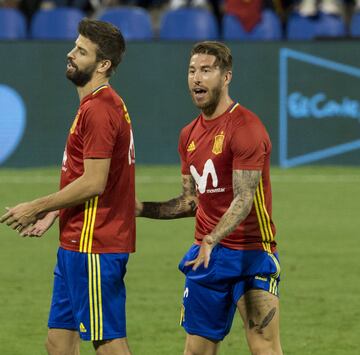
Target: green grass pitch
(316, 211)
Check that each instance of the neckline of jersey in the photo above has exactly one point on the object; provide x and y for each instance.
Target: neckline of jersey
(218, 118)
(94, 92)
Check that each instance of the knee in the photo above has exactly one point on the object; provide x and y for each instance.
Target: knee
(260, 344)
(265, 348)
(265, 352)
(54, 346)
(113, 346)
(190, 352)
(193, 351)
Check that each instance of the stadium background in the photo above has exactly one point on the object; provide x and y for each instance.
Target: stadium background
(152, 81)
(315, 207)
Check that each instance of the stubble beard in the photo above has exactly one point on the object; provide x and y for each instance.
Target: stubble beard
(81, 77)
(209, 107)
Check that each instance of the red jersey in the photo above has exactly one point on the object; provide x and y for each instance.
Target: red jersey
(210, 150)
(105, 223)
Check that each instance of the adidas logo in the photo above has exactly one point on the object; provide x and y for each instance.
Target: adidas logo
(260, 278)
(191, 147)
(82, 328)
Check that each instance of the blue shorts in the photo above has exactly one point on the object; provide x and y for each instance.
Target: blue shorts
(211, 295)
(89, 294)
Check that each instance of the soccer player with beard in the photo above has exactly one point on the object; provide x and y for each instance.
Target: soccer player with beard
(96, 204)
(233, 264)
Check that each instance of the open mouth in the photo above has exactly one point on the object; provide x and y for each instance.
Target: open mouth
(70, 65)
(199, 92)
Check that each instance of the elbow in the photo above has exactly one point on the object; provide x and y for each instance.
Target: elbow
(96, 189)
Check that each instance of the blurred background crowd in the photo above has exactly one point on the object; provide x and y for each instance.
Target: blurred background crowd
(234, 19)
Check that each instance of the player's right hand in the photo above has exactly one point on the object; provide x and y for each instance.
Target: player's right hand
(40, 226)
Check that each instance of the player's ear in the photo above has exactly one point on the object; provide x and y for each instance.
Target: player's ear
(227, 77)
(104, 66)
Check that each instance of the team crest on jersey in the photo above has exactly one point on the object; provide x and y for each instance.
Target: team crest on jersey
(218, 143)
(73, 126)
(191, 147)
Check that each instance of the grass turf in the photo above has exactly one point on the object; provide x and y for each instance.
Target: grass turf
(316, 211)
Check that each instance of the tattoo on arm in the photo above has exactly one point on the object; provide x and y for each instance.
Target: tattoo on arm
(245, 183)
(183, 206)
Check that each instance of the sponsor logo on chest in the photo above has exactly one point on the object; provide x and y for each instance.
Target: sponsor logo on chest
(201, 179)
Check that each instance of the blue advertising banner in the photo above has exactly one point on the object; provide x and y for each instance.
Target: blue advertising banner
(306, 93)
(319, 108)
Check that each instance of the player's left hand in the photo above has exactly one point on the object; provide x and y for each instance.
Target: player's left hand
(41, 225)
(207, 245)
(20, 216)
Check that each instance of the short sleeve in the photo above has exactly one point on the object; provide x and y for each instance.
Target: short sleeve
(249, 145)
(99, 132)
(182, 152)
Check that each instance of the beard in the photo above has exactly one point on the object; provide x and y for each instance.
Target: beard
(81, 77)
(209, 107)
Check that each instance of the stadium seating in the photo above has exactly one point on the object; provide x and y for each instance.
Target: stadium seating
(307, 28)
(188, 24)
(12, 24)
(355, 25)
(134, 22)
(58, 23)
(269, 28)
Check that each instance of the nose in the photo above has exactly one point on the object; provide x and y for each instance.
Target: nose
(71, 54)
(197, 77)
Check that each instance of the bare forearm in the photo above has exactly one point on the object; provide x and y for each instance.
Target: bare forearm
(245, 183)
(179, 207)
(236, 213)
(73, 194)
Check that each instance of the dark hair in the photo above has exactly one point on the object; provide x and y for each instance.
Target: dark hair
(108, 38)
(221, 52)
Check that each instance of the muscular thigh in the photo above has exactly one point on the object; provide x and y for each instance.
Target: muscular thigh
(259, 310)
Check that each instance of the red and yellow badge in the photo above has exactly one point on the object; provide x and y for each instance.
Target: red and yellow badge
(73, 126)
(218, 143)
